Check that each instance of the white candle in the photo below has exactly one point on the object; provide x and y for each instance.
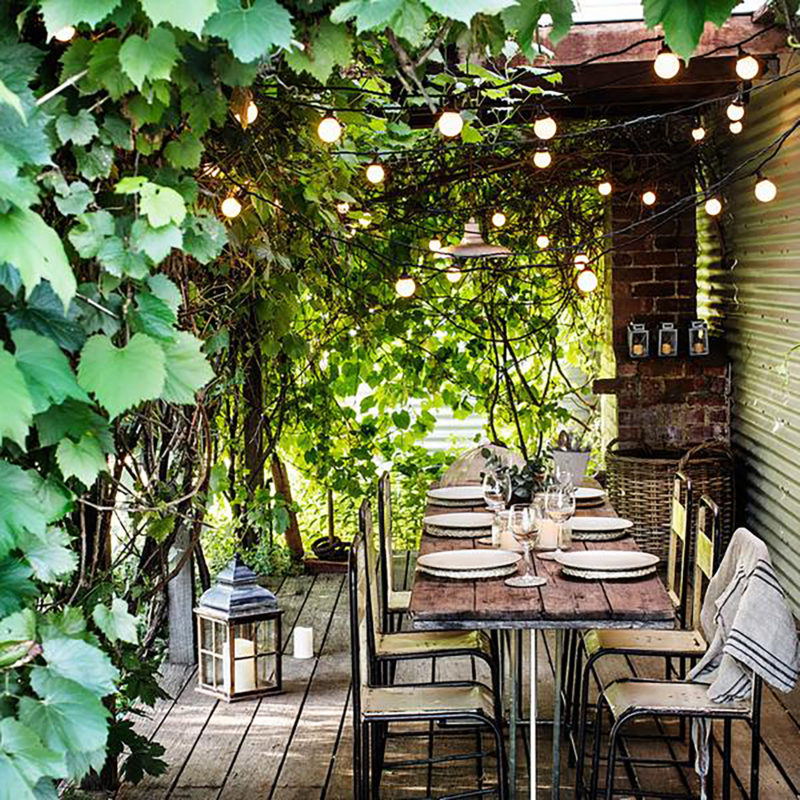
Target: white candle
(244, 672)
(303, 642)
(548, 534)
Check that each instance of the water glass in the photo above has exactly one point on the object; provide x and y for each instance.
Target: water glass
(524, 527)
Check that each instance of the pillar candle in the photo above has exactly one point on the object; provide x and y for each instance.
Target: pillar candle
(244, 674)
(548, 534)
(303, 642)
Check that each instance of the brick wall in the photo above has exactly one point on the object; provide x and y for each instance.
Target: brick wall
(662, 401)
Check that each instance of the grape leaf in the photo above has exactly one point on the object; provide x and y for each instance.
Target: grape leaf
(187, 369)
(151, 59)
(9, 98)
(185, 152)
(105, 70)
(75, 199)
(116, 622)
(16, 587)
(204, 237)
(368, 14)
(80, 129)
(251, 32)
(44, 314)
(88, 235)
(161, 205)
(83, 460)
(118, 260)
(156, 243)
(465, 10)
(79, 661)
(95, 163)
(141, 362)
(186, 16)
(15, 401)
(683, 20)
(21, 507)
(60, 13)
(153, 317)
(329, 45)
(50, 556)
(72, 419)
(162, 287)
(24, 760)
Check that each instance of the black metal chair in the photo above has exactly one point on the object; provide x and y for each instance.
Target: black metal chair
(394, 602)
(375, 707)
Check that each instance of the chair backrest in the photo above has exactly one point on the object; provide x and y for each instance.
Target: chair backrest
(361, 627)
(679, 544)
(385, 544)
(707, 552)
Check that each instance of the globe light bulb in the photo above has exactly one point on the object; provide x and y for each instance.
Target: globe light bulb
(649, 198)
(343, 207)
(498, 219)
(250, 114)
(747, 67)
(435, 245)
(376, 173)
(581, 261)
(450, 123)
(545, 127)
(586, 281)
(453, 274)
(766, 190)
(542, 159)
(64, 34)
(542, 241)
(667, 65)
(735, 111)
(365, 220)
(713, 206)
(329, 129)
(736, 128)
(405, 286)
(604, 187)
(231, 207)
(699, 133)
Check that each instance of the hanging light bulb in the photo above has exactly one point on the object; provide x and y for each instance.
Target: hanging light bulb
(435, 245)
(545, 127)
(498, 219)
(736, 128)
(765, 189)
(667, 64)
(450, 123)
(649, 198)
(365, 220)
(604, 187)
(250, 113)
(542, 241)
(586, 281)
(64, 34)
(405, 285)
(581, 261)
(329, 129)
(542, 159)
(343, 207)
(735, 110)
(453, 274)
(713, 206)
(230, 207)
(747, 67)
(699, 133)
(375, 173)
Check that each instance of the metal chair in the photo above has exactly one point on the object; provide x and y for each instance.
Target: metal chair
(375, 707)
(631, 698)
(394, 602)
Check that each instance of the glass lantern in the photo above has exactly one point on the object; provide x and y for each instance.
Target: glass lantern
(698, 338)
(238, 637)
(667, 340)
(638, 340)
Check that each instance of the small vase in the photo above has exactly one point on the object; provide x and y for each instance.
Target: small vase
(571, 464)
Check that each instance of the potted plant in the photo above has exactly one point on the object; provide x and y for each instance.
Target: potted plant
(570, 458)
(525, 480)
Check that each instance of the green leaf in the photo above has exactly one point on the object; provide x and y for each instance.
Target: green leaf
(83, 460)
(118, 259)
(67, 622)
(683, 20)
(141, 361)
(233, 72)
(105, 70)
(465, 10)
(368, 14)
(156, 243)
(95, 163)
(24, 760)
(15, 401)
(88, 235)
(19, 627)
(185, 152)
(151, 59)
(51, 555)
(72, 419)
(80, 129)
(79, 661)
(204, 237)
(163, 288)
(35, 249)
(21, 508)
(153, 317)
(161, 205)
(561, 14)
(47, 372)
(9, 98)
(186, 16)
(75, 199)
(60, 13)
(44, 314)
(187, 369)
(329, 45)
(252, 31)
(16, 587)
(16, 188)
(116, 622)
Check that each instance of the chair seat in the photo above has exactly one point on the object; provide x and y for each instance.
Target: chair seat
(399, 601)
(688, 643)
(680, 697)
(423, 643)
(432, 699)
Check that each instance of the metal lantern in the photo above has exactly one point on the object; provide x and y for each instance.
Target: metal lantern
(698, 338)
(472, 245)
(667, 340)
(238, 636)
(638, 340)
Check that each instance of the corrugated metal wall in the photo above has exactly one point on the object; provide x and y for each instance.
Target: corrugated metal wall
(762, 323)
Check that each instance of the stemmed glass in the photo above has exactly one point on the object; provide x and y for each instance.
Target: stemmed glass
(525, 528)
(559, 504)
(496, 491)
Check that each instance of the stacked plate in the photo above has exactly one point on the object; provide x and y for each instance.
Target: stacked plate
(469, 565)
(606, 565)
(459, 524)
(588, 497)
(599, 529)
(456, 496)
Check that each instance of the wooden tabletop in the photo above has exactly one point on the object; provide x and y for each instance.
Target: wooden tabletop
(562, 603)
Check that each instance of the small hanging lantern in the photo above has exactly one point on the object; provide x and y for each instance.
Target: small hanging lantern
(638, 340)
(698, 338)
(472, 245)
(667, 340)
(238, 636)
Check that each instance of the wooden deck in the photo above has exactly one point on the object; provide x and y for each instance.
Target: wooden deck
(298, 744)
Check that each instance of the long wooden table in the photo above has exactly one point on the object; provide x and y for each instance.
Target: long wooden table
(563, 603)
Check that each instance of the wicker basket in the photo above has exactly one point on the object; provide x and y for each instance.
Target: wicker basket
(640, 487)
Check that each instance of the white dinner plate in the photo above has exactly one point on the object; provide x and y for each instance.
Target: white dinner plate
(468, 560)
(588, 494)
(466, 495)
(600, 524)
(460, 519)
(606, 560)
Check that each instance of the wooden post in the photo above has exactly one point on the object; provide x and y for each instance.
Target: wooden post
(180, 597)
(281, 479)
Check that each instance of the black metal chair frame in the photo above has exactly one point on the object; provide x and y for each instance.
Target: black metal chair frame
(390, 619)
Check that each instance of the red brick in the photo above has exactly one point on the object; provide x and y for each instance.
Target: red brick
(645, 258)
(673, 273)
(653, 289)
(675, 242)
(634, 274)
(622, 259)
(626, 308)
(675, 305)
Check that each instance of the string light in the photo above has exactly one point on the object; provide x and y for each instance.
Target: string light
(453, 274)
(376, 173)
(250, 114)
(64, 34)
(735, 111)
(498, 219)
(586, 281)
(435, 245)
(581, 261)
(735, 127)
(747, 67)
(604, 187)
(405, 286)
(365, 220)
(765, 190)
(649, 198)
(343, 207)
(230, 207)
(542, 159)
(545, 127)
(450, 124)
(699, 133)
(542, 241)
(667, 64)
(329, 129)
(713, 206)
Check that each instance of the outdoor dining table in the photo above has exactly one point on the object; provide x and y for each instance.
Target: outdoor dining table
(562, 604)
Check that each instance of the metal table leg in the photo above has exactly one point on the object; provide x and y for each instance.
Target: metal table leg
(557, 656)
(533, 714)
(512, 722)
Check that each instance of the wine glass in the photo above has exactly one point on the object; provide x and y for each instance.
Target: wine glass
(525, 527)
(496, 491)
(560, 507)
